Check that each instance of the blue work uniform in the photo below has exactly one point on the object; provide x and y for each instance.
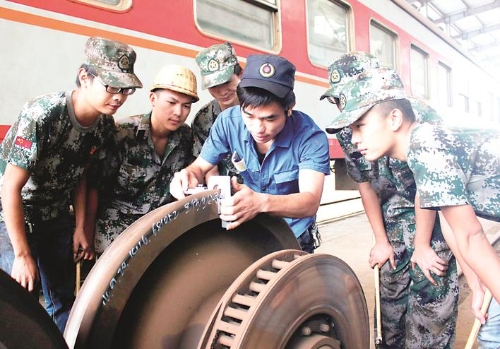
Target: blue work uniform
(301, 145)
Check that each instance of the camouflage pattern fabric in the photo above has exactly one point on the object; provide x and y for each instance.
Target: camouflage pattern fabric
(364, 91)
(457, 166)
(47, 141)
(134, 178)
(113, 61)
(111, 223)
(347, 67)
(357, 165)
(216, 64)
(201, 125)
(415, 313)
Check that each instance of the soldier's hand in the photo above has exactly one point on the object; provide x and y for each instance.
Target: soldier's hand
(476, 304)
(25, 272)
(380, 254)
(429, 262)
(83, 246)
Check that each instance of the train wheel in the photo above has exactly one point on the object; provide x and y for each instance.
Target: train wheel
(293, 300)
(159, 282)
(23, 321)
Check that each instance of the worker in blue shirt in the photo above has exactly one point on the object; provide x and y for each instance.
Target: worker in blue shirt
(285, 153)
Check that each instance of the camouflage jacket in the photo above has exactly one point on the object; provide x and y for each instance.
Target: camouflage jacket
(131, 176)
(201, 125)
(54, 148)
(391, 179)
(457, 166)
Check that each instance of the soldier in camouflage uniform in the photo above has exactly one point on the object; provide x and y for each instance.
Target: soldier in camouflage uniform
(42, 164)
(418, 310)
(456, 170)
(147, 150)
(220, 74)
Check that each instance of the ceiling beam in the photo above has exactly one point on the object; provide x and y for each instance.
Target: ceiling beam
(480, 48)
(467, 13)
(470, 34)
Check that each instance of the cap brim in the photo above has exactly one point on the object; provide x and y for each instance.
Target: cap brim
(333, 91)
(115, 79)
(276, 89)
(332, 130)
(217, 78)
(329, 93)
(347, 118)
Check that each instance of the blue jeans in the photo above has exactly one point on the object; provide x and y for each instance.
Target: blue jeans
(489, 334)
(310, 239)
(51, 244)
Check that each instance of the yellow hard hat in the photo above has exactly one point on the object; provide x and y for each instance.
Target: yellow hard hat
(176, 78)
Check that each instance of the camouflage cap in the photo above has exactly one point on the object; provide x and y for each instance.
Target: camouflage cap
(360, 94)
(345, 68)
(176, 78)
(113, 62)
(216, 64)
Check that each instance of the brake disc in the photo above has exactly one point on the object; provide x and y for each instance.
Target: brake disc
(294, 300)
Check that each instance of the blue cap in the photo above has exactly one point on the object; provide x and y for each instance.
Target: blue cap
(269, 72)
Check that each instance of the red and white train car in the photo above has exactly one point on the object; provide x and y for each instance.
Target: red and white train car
(42, 47)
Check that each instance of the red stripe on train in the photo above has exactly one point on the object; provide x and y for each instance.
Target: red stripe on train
(3, 131)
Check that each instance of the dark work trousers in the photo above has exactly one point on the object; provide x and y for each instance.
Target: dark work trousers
(51, 244)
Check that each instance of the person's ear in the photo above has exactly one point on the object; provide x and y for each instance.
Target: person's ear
(396, 118)
(152, 98)
(83, 76)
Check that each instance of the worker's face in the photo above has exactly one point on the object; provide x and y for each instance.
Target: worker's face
(225, 93)
(170, 108)
(264, 122)
(372, 134)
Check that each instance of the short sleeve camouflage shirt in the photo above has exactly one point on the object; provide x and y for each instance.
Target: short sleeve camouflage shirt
(137, 177)
(390, 178)
(54, 148)
(457, 166)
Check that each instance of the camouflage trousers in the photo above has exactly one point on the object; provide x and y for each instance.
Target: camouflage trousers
(415, 313)
(110, 224)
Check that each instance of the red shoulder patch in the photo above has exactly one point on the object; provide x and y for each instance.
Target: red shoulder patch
(22, 142)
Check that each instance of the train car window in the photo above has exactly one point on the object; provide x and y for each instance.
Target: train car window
(327, 30)
(383, 43)
(498, 109)
(251, 22)
(114, 5)
(477, 109)
(444, 85)
(418, 72)
(489, 105)
(463, 102)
